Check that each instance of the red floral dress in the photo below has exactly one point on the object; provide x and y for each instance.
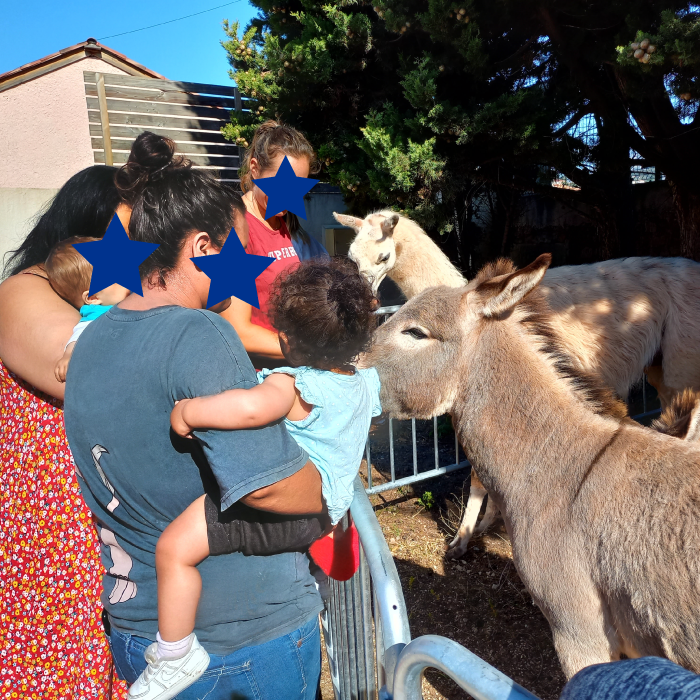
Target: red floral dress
(52, 644)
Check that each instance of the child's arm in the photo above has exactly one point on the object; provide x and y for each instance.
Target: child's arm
(237, 408)
(61, 368)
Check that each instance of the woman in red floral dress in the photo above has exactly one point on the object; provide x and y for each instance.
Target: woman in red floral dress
(52, 642)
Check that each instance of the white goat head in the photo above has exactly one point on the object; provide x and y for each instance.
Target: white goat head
(373, 249)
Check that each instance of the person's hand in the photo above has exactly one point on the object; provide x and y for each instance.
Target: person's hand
(61, 368)
(177, 420)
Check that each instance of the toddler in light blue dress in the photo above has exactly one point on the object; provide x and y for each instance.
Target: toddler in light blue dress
(324, 314)
(335, 431)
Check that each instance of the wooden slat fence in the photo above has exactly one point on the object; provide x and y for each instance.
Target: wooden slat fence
(120, 107)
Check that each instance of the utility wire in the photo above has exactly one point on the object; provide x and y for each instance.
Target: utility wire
(170, 21)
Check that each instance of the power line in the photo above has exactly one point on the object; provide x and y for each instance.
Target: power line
(170, 21)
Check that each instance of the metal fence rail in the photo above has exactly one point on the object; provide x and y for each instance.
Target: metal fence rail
(366, 623)
(417, 475)
(481, 680)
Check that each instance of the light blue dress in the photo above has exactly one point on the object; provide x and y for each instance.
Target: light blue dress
(335, 432)
(88, 313)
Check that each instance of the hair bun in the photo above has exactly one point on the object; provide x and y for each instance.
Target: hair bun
(150, 156)
(268, 126)
(152, 152)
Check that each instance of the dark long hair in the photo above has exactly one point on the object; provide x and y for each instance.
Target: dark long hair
(170, 200)
(84, 206)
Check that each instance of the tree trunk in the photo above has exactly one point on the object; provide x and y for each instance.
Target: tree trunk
(509, 203)
(686, 197)
(615, 190)
(608, 232)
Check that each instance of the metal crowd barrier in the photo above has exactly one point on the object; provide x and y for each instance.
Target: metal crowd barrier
(368, 640)
(366, 624)
(479, 679)
(437, 470)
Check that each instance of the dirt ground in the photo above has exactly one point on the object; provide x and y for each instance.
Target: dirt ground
(478, 601)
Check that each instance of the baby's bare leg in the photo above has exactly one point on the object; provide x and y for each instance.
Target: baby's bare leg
(180, 548)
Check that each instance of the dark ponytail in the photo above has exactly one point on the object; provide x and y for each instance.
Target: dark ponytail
(170, 200)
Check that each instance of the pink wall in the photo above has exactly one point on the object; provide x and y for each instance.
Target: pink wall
(44, 131)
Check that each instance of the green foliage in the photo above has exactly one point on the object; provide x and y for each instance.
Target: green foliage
(673, 56)
(427, 500)
(416, 104)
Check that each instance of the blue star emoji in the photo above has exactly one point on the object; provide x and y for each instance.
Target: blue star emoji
(285, 191)
(115, 259)
(233, 272)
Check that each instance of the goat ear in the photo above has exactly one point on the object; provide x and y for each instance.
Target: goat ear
(693, 434)
(389, 224)
(500, 294)
(349, 221)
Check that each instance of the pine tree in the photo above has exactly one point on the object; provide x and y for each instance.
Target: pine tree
(414, 104)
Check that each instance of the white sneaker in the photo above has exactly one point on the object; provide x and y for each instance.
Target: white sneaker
(163, 679)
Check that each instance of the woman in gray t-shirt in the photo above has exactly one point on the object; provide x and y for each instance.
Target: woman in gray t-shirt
(257, 614)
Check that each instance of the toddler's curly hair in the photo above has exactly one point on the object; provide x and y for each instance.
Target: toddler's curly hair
(325, 308)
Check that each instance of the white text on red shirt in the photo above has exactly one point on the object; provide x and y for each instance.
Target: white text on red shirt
(283, 253)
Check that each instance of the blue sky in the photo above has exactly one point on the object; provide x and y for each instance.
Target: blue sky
(185, 50)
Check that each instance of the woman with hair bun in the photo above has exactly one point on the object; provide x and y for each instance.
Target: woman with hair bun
(272, 234)
(155, 174)
(52, 642)
(127, 371)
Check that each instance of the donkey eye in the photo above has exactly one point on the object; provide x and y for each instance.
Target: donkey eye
(383, 258)
(416, 333)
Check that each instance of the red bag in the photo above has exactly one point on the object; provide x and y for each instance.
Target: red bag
(338, 553)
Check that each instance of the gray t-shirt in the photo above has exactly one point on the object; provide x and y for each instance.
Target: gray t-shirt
(125, 375)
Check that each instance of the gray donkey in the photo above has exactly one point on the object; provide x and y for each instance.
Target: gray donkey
(603, 514)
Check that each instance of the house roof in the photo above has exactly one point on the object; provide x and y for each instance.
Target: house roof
(86, 49)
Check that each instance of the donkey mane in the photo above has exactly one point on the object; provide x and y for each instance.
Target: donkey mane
(537, 320)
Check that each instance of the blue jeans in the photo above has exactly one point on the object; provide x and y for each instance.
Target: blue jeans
(287, 668)
(648, 678)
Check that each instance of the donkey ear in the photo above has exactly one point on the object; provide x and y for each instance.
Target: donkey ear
(349, 221)
(389, 224)
(500, 294)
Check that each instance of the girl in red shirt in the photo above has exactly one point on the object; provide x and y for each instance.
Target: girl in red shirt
(269, 232)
